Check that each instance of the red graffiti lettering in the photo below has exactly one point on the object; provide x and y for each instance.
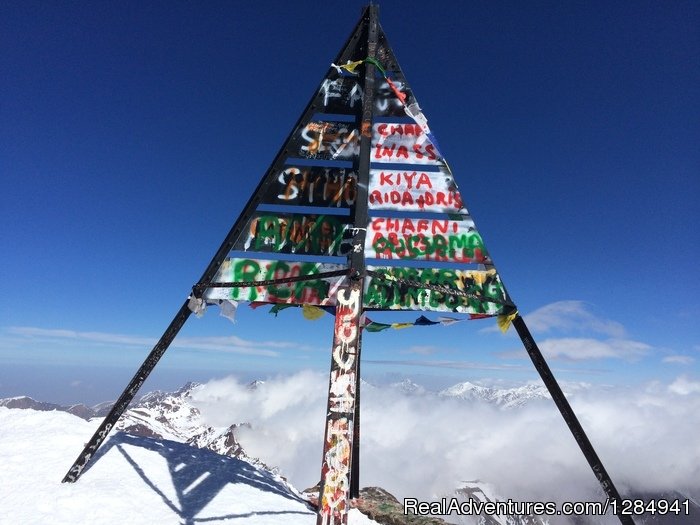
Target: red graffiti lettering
(387, 130)
(423, 180)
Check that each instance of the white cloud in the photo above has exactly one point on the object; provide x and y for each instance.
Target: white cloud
(679, 359)
(571, 316)
(578, 349)
(684, 386)
(286, 414)
(230, 343)
(424, 447)
(95, 337)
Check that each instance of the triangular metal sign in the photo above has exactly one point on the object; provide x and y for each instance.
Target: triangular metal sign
(375, 197)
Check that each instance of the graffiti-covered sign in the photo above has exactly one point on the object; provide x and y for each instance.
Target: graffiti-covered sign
(425, 239)
(328, 140)
(313, 186)
(294, 233)
(410, 190)
(320, 291)
(402, 143)
(343, 96)
(481, 290)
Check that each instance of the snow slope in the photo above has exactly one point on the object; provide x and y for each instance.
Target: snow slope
(134, 480)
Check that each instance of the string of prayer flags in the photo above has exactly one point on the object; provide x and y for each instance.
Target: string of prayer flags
(309, 311)
(372, 326)
(314, 312)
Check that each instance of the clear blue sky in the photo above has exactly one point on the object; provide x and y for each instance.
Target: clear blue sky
(132, 134)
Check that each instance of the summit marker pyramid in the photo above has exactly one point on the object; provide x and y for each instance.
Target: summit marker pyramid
(378, 224)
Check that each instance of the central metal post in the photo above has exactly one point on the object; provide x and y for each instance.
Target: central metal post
(340, 463)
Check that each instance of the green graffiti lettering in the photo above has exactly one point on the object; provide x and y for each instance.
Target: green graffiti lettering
(468, 243)
(376, 293)
(269, 232)
(245, 270)
(314, 291)
(278, 270)
(465, 247)
(439, 248)
(398, 295)
(320, 235)
(308, 290)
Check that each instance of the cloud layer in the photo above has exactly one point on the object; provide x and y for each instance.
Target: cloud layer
(423, 446)
(229, 344)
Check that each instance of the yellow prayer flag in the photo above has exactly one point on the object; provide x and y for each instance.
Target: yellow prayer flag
(399, 326)
(350, 66)
(504, 321)
(312, 312)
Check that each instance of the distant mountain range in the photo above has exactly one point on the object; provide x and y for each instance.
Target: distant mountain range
(80, 410)
(505, 398)
(167, 415)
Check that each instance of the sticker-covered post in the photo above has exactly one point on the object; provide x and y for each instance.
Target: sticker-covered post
(334, 493)
(340, 462)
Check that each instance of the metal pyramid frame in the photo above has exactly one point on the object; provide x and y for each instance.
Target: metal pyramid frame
(371, 185)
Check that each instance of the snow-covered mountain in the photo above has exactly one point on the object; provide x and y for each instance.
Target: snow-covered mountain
(158, 415)
(506, 398)
(502, 397)
(133, 479)
(407, 386)
(171, 415)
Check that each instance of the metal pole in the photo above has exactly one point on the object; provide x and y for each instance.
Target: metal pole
(361, 216)
(340, 462)
(568, 414)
